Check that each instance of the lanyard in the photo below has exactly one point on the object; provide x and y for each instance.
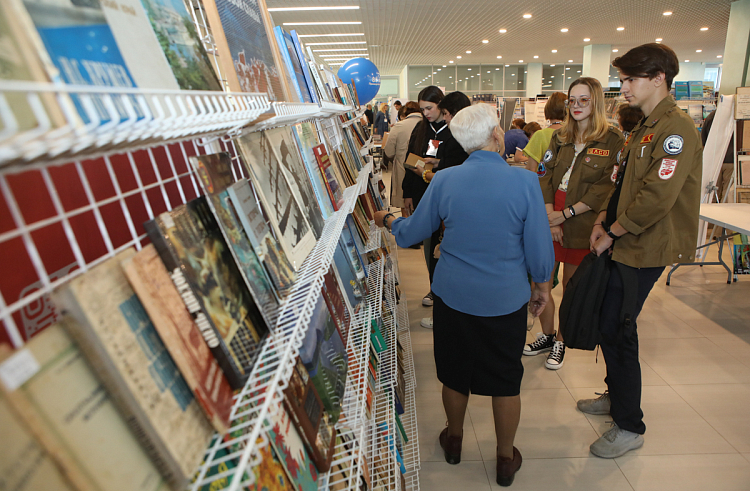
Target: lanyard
(438, 131)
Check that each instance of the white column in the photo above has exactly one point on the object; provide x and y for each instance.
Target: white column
(403, 85)
(596, 62)
(736, 53)
(533, 79)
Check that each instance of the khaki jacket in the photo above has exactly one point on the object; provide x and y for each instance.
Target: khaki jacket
(591, 181)
(397, 148)
(661, 190)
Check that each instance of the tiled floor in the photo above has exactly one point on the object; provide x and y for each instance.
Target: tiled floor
(695, 357)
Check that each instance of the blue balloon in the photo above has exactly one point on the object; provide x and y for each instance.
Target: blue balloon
(365, 75)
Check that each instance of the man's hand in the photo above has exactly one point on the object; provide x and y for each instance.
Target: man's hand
(596, 233)
(379, 217)
(409, 205)
(557, 234)
(555, 218)
(539, 298)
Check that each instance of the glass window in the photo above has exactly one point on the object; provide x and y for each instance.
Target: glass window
(420, 76)
(468, 78)
(492, 78)
(614, 77)
(515, 78)
(444, 77)
(553, 78)
(571, 74)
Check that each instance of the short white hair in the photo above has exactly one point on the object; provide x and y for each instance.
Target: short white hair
(472, 126)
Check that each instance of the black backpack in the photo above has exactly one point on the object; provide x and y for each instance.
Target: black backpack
(582, 302)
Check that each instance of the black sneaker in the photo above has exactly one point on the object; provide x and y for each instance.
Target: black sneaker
(427, 301)
(555, 358)
(543, 343)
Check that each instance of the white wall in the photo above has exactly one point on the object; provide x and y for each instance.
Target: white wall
(403, 92)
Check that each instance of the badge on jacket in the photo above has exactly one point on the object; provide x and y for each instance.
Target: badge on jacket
(666, 169)
(547, 156)
(673, 144)
(541, 171)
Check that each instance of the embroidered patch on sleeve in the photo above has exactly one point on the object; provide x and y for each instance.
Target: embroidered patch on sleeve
(598, 151)
(666, 169)
(647, 138)
(541, 171)
(613, 177)
(547, 156)
(673, 144)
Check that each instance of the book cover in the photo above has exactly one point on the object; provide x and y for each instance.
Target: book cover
(293, 68)
(202, 268)
(288, 444)
(332, 185)
(348, 242)
(324, 355)
(181, 336)
(215, 178)
(306, 137)
(252, 217)
(286, 215)
(305, 407)
(334, 299)
(118, 338)
(284, 145)
(350, 284)
(64, 405)
(309, 83)
(245, 51)
(181, 44)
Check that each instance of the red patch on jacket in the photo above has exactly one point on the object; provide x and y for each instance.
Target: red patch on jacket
(648, 138)
(598, 151)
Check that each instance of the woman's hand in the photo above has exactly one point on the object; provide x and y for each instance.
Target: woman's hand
(431, 160)
(409, 205)
(379, 217)
(557, 234)
(596, 233)
(555, 218)
(539, 298)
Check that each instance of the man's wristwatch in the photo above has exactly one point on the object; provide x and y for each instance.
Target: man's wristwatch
(610, 233)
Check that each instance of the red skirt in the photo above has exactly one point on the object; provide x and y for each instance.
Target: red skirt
(562, 254)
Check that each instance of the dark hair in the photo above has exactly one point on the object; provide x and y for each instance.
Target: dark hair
(648, 60)
(454, 102)
(519, 123)
(409, 108)
(429, 94)
(397, 102)
(400, 114)
(555, 106)
(531, 128)
(629, 116)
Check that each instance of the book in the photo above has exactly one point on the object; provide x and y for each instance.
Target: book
(193, 250)
(349, 283)
(306, 137)
(118, 338)
(151, 282)
(309, 83)
(285, 213)
(69, 423)
(215, 178)
(284, 145)
(181, 44)
(334, 299)
(305, 408)
(332, 185)
(246, 55)
(293, 66)
(324, 356)
(288, 445)
(414, 161)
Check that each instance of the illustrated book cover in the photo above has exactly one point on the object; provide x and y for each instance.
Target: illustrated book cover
(306, 137)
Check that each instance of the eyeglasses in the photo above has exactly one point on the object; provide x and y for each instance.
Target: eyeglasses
(582, 102)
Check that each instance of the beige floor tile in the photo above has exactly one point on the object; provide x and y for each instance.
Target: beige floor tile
(550, 427)
(535, 376)
(658, 322)
(590, 371)
(686, 472)
(747, 456)
(724, 407)
(734, 344)
(581, 474)
(431, 421)
(441, 476)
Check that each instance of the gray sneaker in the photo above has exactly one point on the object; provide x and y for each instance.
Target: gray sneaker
(616, 442)
(600, 405)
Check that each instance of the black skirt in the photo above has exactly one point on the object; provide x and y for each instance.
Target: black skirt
(479, 355)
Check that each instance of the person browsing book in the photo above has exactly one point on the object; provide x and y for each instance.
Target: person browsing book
(576, 175)
(481, 286)
(515, 138)
(397, 148)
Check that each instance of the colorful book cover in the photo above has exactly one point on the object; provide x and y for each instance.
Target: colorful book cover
(182, 337)
(215, 178)
(293, 68)
(306, 137)
(303, 62)
(118, 338)
(193, 249)
(293, 455)
(350, 284)
(347, 238)
(332, 185)
(181, 44)
(286, 215)
(252, 217)
(68, 423)
(741, 254)
(285, 146)
(334, 298)
(305, 407)
(324, 355)
(246, 55)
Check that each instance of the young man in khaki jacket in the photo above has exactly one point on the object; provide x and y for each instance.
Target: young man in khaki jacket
(649, 221)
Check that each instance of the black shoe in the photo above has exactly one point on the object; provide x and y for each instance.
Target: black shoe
(543, 343)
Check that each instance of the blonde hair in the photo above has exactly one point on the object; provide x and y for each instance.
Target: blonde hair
(598, 126)
(383, 106)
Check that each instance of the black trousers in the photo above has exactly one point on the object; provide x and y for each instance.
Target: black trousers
(621, 353)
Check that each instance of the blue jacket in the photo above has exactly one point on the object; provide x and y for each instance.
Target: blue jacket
(496, 233)
(514, 138)
(381, 123)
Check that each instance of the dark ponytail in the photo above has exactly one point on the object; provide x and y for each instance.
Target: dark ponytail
(429, 94)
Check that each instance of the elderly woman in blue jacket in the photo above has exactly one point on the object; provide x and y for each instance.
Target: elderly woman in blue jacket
(496, 234)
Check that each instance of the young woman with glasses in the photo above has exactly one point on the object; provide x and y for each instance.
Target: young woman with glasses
(576, 174)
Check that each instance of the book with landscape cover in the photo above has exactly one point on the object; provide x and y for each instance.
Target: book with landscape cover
(305, 407)
(68, 423)
(288, 444)
(181, 336)
(285, 213)
(215, 178)
(113, 330)
(306, 137)
(332, 185)
(250, 214)
(324, 355)
(193, 249)
(293, 66)
(283, 143)
(246, 54)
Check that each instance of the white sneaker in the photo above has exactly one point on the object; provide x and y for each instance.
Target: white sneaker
(556, 356)
(616, 442)
(426, 323)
